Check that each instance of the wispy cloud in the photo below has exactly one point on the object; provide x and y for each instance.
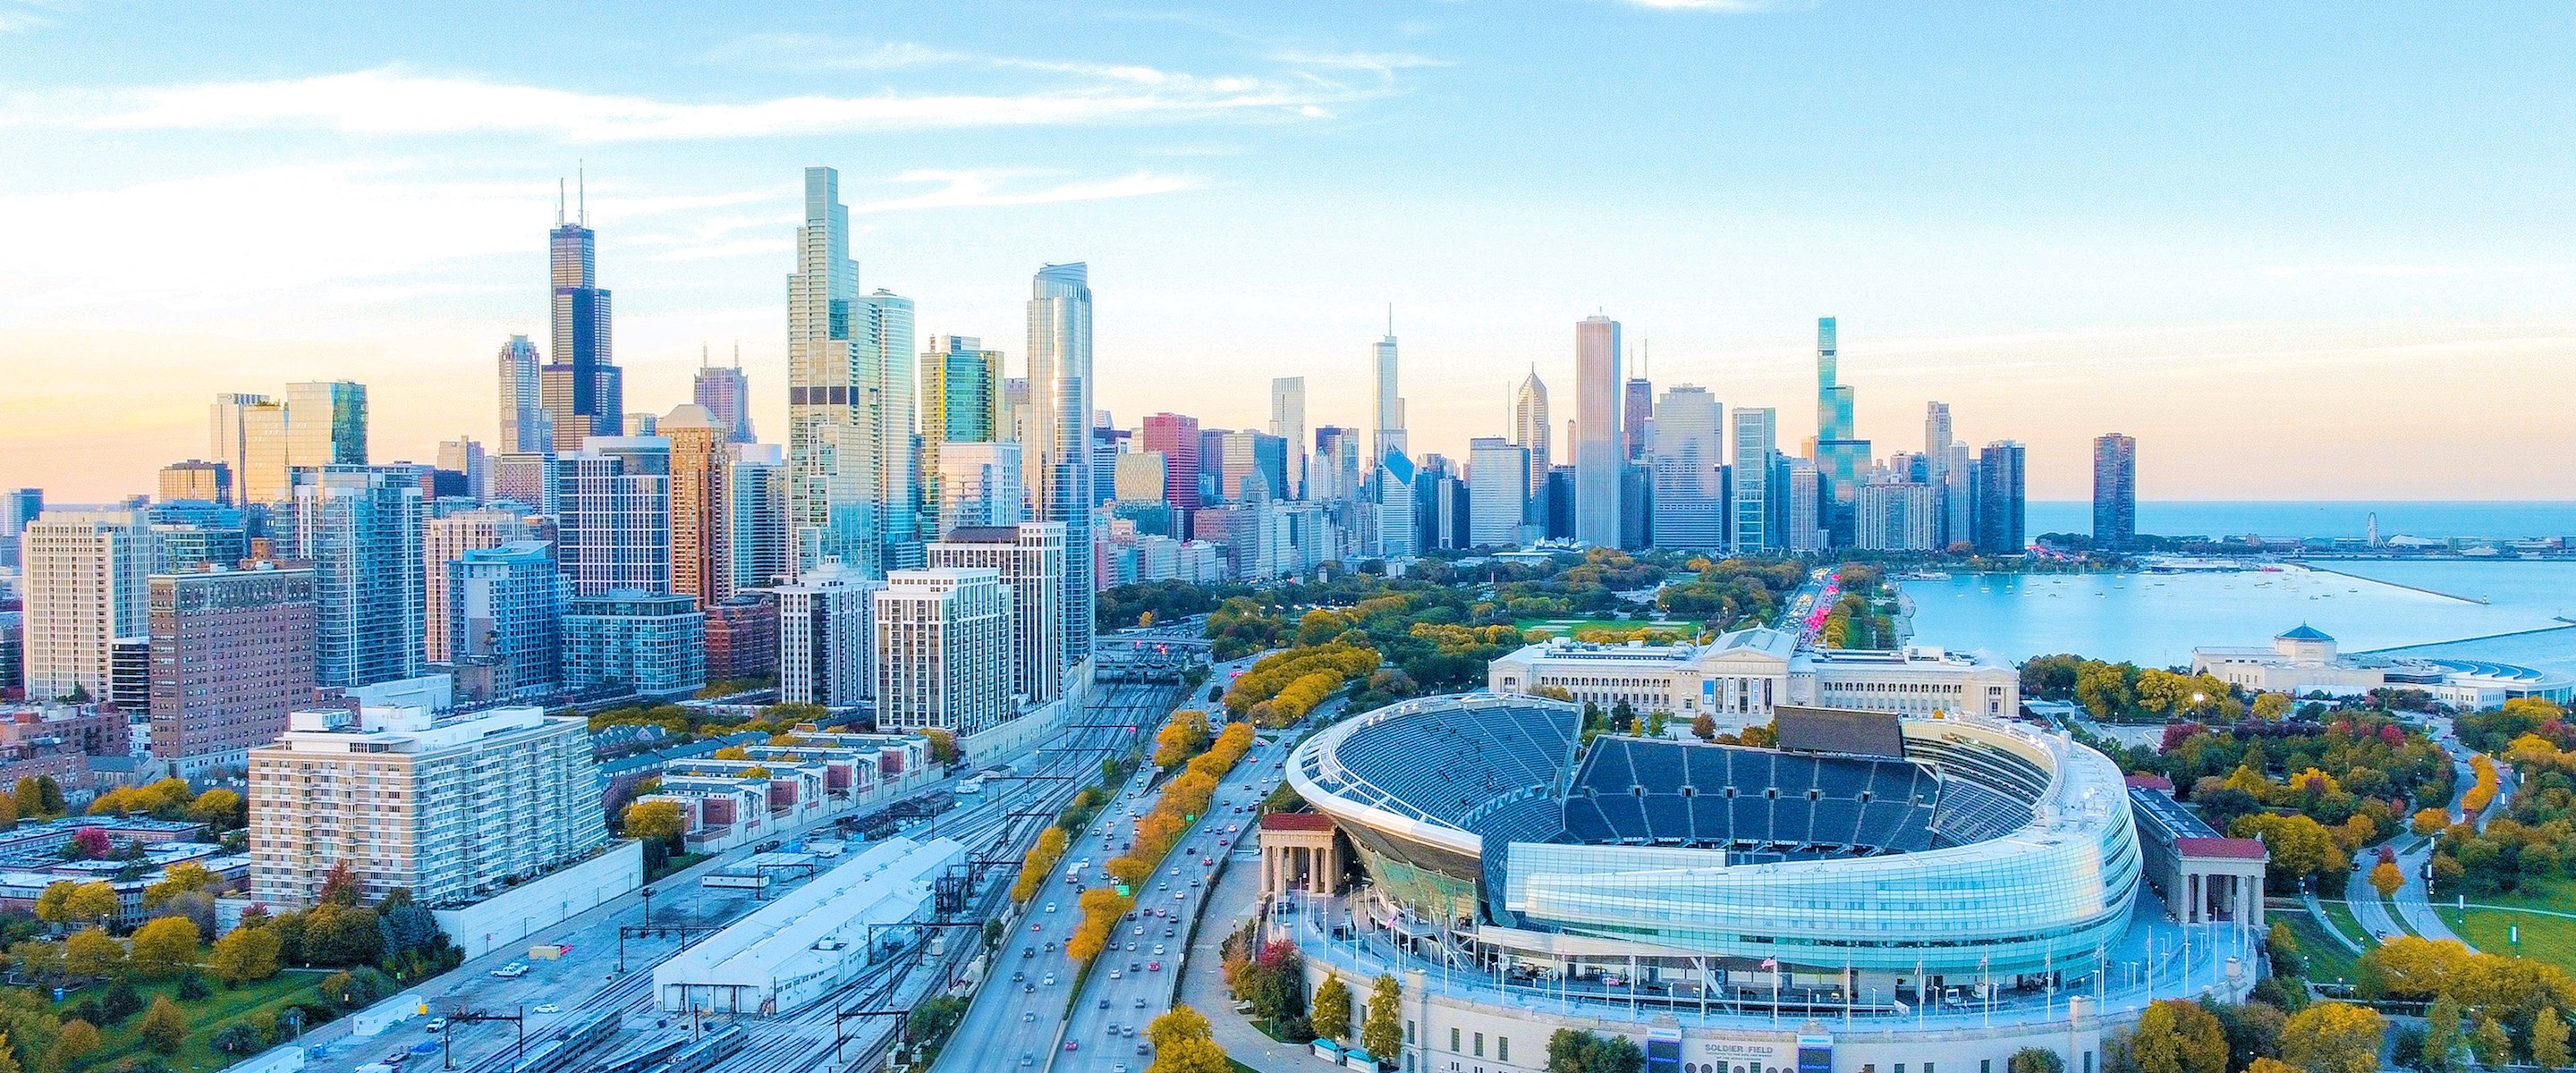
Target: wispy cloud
(2381, 270)
(20, 16)
(989, 187)
(813, 52)
(1380, 62)
(396, 101)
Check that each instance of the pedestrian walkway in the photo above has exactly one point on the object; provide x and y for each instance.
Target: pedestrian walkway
(1203, 976)
(2317, 912)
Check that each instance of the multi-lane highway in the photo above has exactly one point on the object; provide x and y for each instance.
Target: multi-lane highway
(1028, 1013)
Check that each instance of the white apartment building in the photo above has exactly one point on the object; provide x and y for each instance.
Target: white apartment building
(1897, 517)
(1741, 676)
(943, 648)
(826, 637)
(85, 579)
(1030, 557)
(453, 807)
(446, 539)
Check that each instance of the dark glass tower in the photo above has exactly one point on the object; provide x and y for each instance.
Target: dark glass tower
(580, 387)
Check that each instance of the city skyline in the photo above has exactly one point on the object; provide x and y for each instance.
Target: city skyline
(2008, 296)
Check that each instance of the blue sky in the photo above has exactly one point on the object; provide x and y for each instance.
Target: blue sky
(2301, 251)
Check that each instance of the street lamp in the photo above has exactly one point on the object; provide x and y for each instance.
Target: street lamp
(648, 906)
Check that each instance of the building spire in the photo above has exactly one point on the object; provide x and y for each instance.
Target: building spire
(1390, 318)
(559, 201)
(581, 187)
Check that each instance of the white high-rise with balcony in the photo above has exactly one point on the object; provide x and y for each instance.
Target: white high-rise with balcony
(943, 650)
(1030, 557)
(85, 584)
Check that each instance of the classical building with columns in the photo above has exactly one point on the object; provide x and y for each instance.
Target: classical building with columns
(2203, 878)
(1739, 678)
(1298, 854)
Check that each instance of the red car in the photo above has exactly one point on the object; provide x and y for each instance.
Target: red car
(1072, 1045)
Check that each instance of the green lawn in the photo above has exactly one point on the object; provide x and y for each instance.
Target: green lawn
(289, 988)
(1566, 627)
(2389, 906)
(2545, 938)
(2344, 921)
(2327, 960)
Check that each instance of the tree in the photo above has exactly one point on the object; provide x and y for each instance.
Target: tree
(165, 947)
(1190, 1056)
(339, 885)
(164, 1026)
(2270, 707)
(1704, 727)
(2300, 846)
(2429, 822)
(182, 878)
(219, 809)
(1383, 1032)
(943, 745)
(2333, 1037)
(2035, 1060)
(245, 955)
(239, 1037)
(1182, 1023)
(1330, 1013)
(656, 821)
(2386, 878)
(2490, 1043)
(1574, 1051)
(2549, 1040)
(2178, 1036)
(92, 952)
(342, 935)
(9, 1056)
(88, 844)
(78, 1040)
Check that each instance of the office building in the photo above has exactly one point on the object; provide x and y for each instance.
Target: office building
(1637, 418)
(1030, 559)
(1803, 519)
(180, 547)
(1386, 400)
(247, 433)
(1060, 397)
(1498, 492)
(961, 402)
(979, 484)
(762, 553)
(1936, 442)
(231, 652)
(1288, 423)
(1897, 516)
(19, 507)
(1598, 459)
(580, 388)
(452, 809)
(726, 394)
(1174, 437)
(649, 644)
(2000, 511)
(445, 539)
(1753, 496)
(1530, 430)
(613, 517)
(361, 528)
(1687, 456)
(701, 534)
(1395, 534)
(1249, 463)
(526, 428)
(1334, 473)
(1139, 477)
(206, 482)
(502, 620)
(326, 424)
(943, 650)
(527, 480)
(827, 637)
(850, 398)
(464, 457)
(83, 583)
(2115, 491)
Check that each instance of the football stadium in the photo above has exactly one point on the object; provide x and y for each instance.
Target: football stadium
(1878, 893)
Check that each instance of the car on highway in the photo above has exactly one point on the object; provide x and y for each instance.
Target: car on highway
(1050, 907)
(1050, 980)
(1073, 1045)
(1140, 1004)
(435, 1024)
(1153, 966)
(548, 1008)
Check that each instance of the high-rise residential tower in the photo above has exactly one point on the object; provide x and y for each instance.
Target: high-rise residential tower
(1756, 497)
(849, 398)
(464, 456)
(613, 519)
(232, 653)
(2000, 509)
(1597, 457)
(84, 584)
(248, 433)
(1687, 450)
(581, 388)
(1058, 451)
(360, 526)
(1386, 403)
(726, 393)
(502, 619)
(1288, 422)
(2115, 491)
(1030, 558)
(701, 548)
(943, 649)
(326, 424)
(447, 538)
(961, 402)
(1842, 458)
(756, 520)
(525, 425)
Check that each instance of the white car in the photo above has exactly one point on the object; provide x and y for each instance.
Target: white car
(547, 1008)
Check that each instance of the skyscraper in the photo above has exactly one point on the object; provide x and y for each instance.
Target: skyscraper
(756, 520)
(1597, 457)
(1176, 438)
(701, 545)
(1386, 405)
(194, 479)
(525, 425)
(326, 424)
(1936, 440)
(1030, 558)
(979, 485)
(1757, 454)
(1334, 475)
(248, 433)
(1529, 421)
(943, 655)
(613, 519)
(1806, 497)
(1637, 418)
(443, 540)
(1058, 451)
(581, 388)
(841, 443)
(463, 455)
(232, 653)
(503, 619)
(2115, 491)
(1842, 458)
(84, 585)
(726, 393)
(961, 402)
(361, 528)
(1688, 449)
(1498, 492)
(19, 507)
(1288, 422)
(1896, 516)
(1999, 499)
(827, 637)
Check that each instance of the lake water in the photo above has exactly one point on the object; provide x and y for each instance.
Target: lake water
(2157, 619)
(2320, 519)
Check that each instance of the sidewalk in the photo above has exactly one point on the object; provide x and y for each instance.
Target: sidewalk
(1203, 978)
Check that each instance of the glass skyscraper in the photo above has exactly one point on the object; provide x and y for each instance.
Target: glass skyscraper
(1842, 458)
(1058, 449)
(361, 528)
(524, 423)
(2115, 491)
(581, 389)
(961, 402)
(849, 399)
(1597, 455)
